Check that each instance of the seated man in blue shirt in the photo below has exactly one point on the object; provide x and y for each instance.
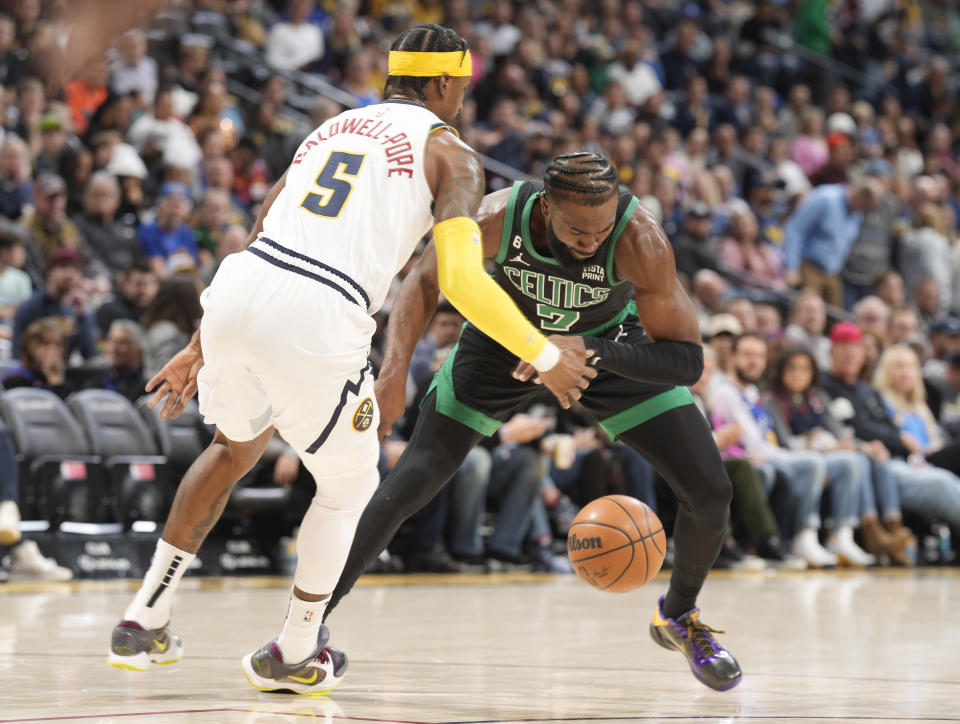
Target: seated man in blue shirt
(168, 242)
(62, 297)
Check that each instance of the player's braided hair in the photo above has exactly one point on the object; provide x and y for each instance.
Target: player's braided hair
(428, 37)
(588, 178)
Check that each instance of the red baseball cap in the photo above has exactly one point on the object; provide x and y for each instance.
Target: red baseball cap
(837, 138)
(844, 332)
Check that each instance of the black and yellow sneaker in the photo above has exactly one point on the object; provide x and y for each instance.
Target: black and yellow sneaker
(712, 664)
(316, 675)
(134, 647)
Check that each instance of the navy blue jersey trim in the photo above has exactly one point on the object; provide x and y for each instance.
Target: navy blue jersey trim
(303, 272)
(318, 264)
(348, 387)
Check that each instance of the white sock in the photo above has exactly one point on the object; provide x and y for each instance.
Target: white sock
(298, 637)
(151, 607)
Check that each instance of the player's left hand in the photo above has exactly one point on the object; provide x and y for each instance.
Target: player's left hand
(177, 380)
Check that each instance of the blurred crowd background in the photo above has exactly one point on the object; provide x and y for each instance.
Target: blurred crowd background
(801, 155)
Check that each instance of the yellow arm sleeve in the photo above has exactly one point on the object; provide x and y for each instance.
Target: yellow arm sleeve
(479, 298)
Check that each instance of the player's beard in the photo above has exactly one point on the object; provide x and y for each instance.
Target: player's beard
(561, 252)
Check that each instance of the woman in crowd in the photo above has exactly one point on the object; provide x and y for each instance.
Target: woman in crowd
(43, 359)
(170, 321)
(803, 421)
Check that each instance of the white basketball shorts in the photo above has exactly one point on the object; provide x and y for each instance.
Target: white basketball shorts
(285, 343)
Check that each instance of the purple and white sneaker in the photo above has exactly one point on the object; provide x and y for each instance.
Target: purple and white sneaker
(712, 664)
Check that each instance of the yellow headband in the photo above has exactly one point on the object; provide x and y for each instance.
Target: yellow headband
(428, 65)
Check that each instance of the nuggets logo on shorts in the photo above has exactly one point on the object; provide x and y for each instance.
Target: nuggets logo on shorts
(363, 417)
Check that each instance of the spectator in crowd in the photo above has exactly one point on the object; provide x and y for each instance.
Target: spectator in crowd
(15, 286)
(295, 43)
(166, 132)
(168, 243)
(135, 289)
(904, 323)
(872, 253)
(720, 333)
(692, 247)
(872, 315)
(109, 247)
(132, 70)
(62, 298)
(925, 489)
(803, 421)
(48, 226)
(837, 168)
(15, 184)
(443, 332)
(925, 253)
(751, 508)
(737, 400)
(744, 251)
(889, 287)
(170, 321)
(808, 320)
(234, 239)
(820, 233)
(43, 359)
(124, 350)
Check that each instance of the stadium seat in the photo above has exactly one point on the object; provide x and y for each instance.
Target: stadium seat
(59, 479)
(133, 467)
(182, 439)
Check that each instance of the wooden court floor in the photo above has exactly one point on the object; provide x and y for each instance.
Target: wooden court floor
(814, 647)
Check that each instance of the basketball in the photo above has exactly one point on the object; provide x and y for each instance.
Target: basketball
(616, 543)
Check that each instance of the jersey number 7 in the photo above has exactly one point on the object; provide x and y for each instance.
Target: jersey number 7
(335, 190)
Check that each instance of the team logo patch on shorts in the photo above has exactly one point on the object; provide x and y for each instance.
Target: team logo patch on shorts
(363, 417)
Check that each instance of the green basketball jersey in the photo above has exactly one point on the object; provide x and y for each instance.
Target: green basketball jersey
(558, 300)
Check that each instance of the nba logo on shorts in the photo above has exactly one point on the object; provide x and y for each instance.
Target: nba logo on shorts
(363, 417)
(308, 616)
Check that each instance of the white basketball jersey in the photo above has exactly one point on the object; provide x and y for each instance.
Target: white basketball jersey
(356, 197)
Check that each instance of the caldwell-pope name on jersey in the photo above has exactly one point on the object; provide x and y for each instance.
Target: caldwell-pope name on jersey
(397, 147)
(555, 291)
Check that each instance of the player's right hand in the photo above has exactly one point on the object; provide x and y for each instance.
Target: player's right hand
(177, 380)
(571, 375)
(391, 398)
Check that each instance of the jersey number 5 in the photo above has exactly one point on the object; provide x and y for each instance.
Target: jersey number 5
(336, 190)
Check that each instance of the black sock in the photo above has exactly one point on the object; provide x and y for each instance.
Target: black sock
(679, 599)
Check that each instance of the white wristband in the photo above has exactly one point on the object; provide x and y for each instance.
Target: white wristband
(548, 358)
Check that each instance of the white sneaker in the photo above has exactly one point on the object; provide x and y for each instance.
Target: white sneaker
(27, 563)
(9, 523)
(806, 546)
(845, 548)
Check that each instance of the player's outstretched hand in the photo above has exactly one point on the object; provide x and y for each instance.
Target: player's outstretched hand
(177, 380)
(570, 376)
(391, 398)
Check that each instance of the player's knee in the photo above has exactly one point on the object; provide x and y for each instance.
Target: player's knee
(347, 492)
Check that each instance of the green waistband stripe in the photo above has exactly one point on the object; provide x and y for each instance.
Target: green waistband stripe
(450, 406)
(646, 410)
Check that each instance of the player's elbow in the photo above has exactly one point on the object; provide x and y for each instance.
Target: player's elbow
(691, 370)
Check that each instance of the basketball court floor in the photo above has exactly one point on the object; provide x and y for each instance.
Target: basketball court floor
(815, 647)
